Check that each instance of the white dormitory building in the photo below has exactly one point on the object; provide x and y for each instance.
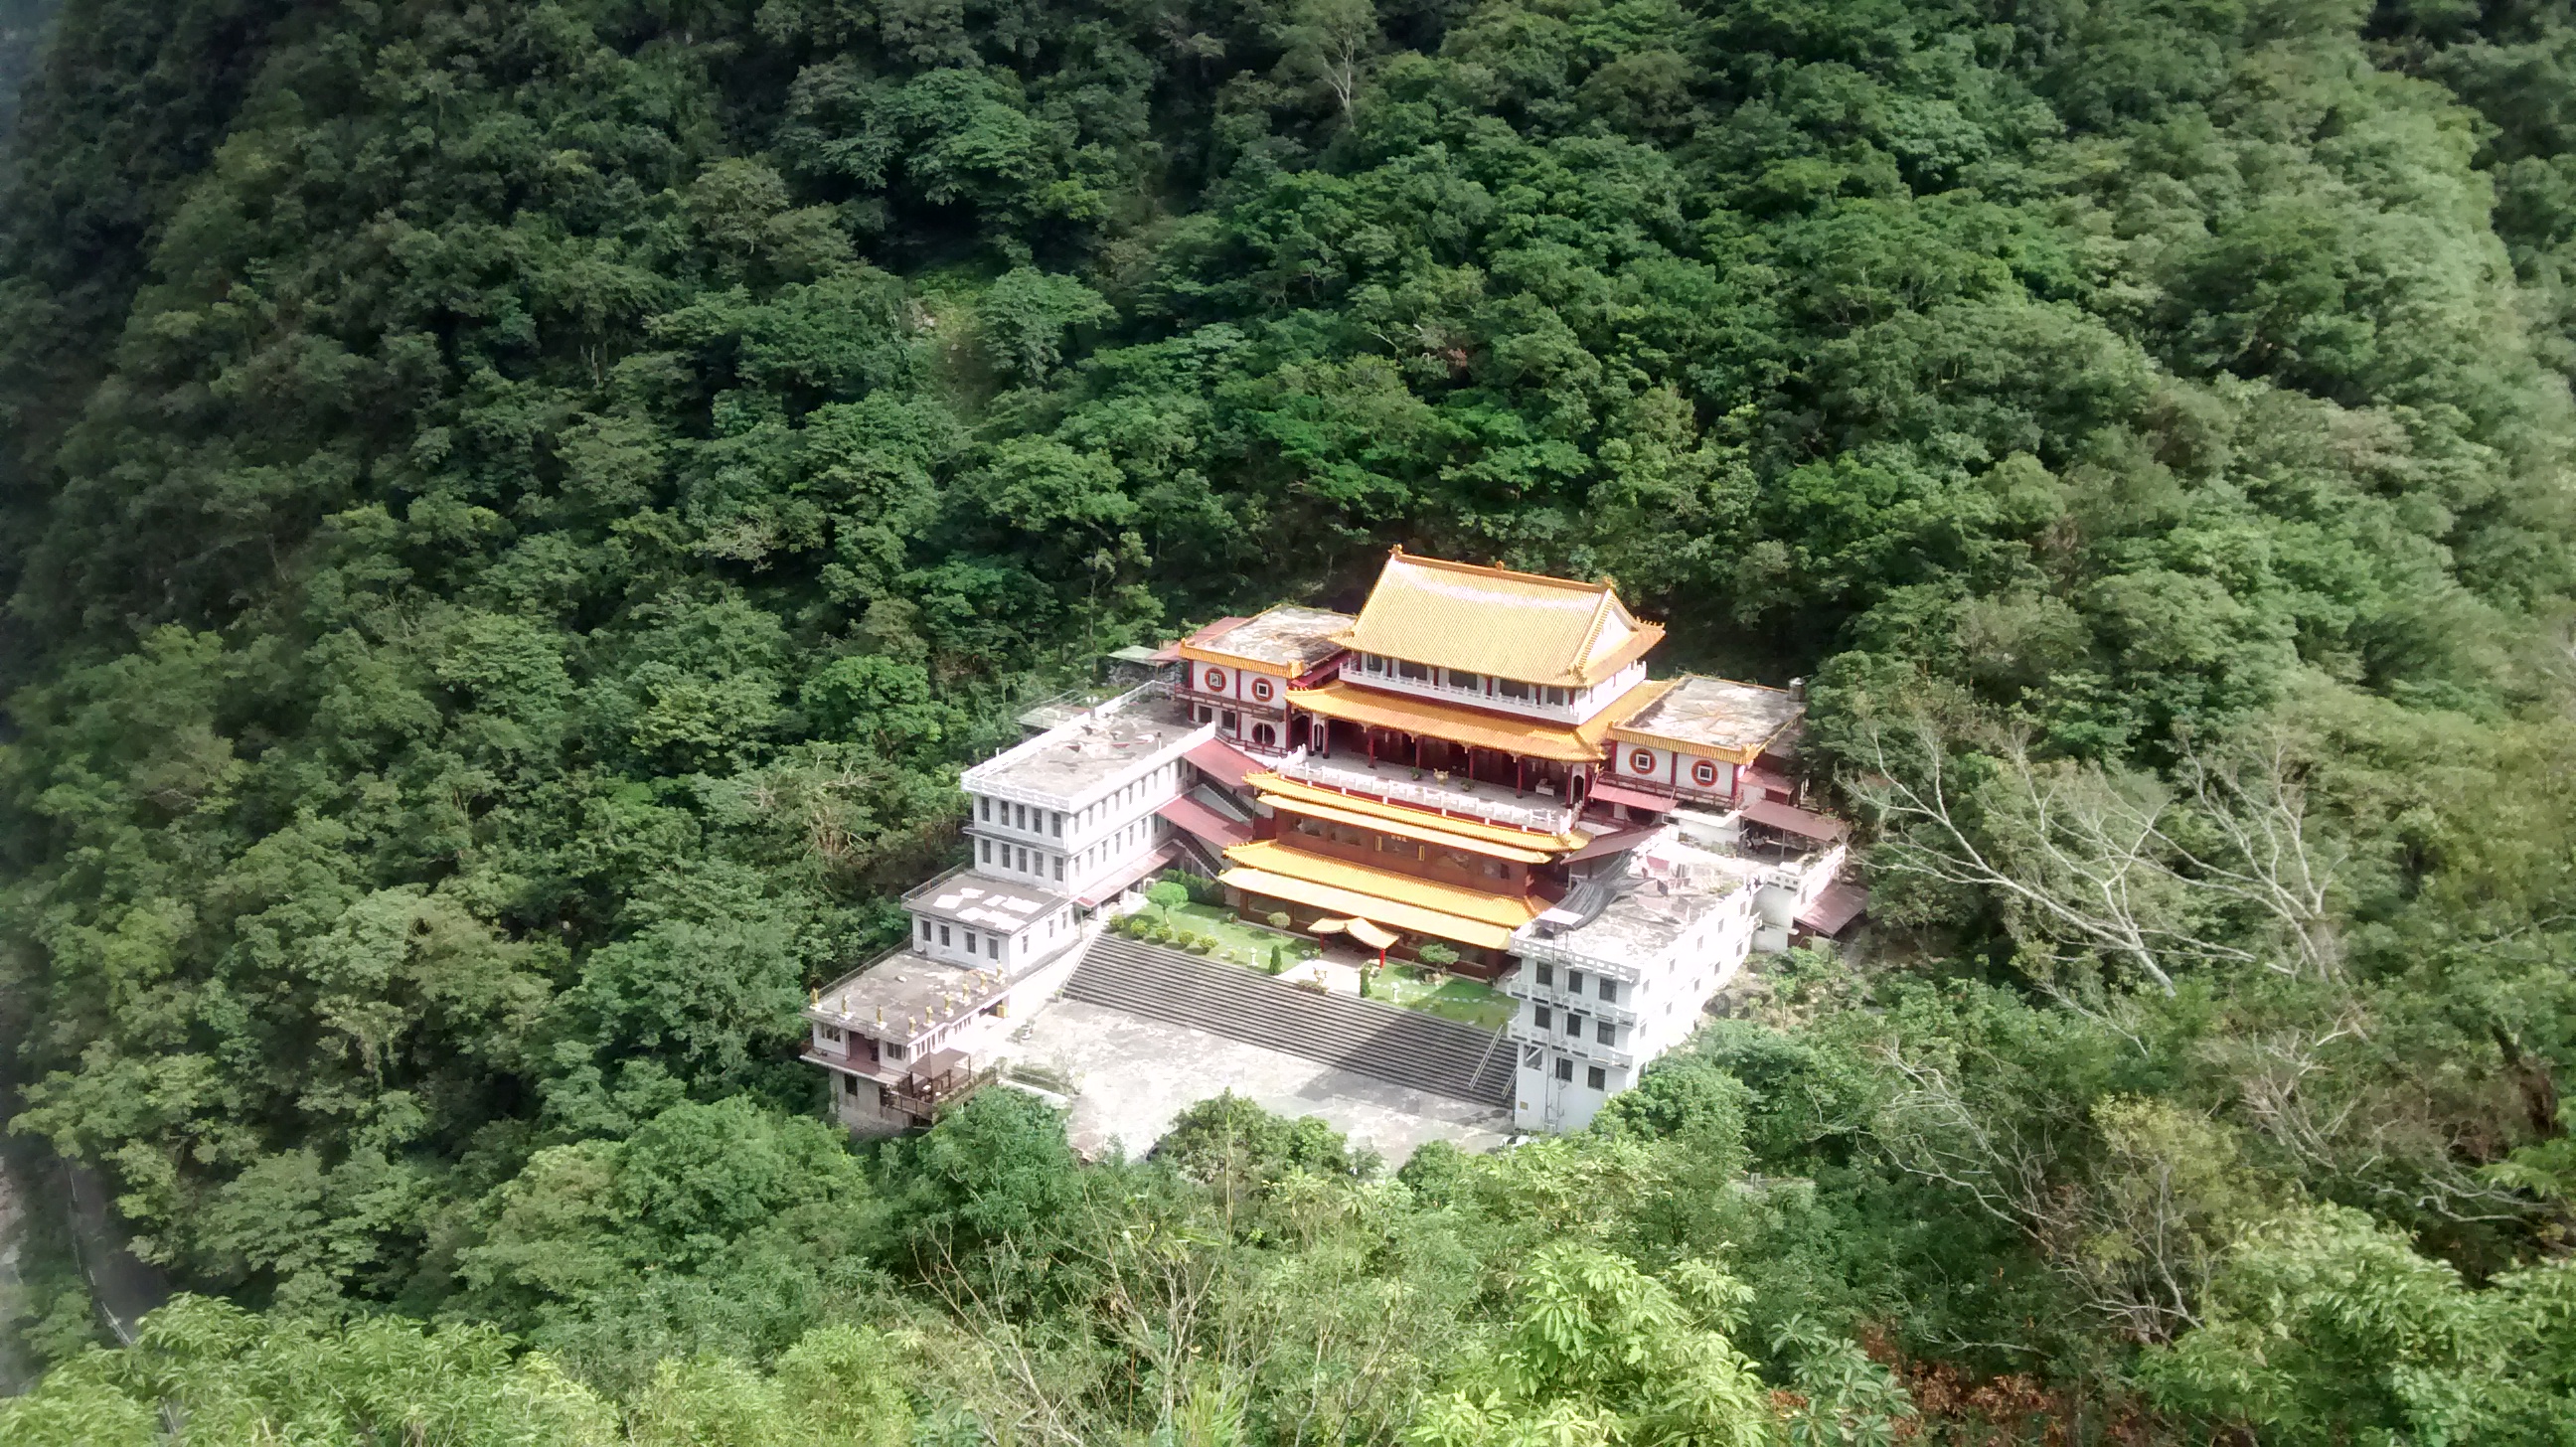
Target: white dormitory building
(1055, 826)
(1621, 971)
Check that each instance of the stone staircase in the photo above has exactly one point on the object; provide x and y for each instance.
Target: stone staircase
(1404, 1047)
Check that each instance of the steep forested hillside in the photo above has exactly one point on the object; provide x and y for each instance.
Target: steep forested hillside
(516, 512)
(22, 30)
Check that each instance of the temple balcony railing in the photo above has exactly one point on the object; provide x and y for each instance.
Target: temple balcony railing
(1459, 800)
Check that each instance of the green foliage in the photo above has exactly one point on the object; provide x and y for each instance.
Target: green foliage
(514, 514)
(227, 1376)
(1233, 1145)
(1600, 1352)
(711, 1228)
(994, 1170)
(2326, 1327)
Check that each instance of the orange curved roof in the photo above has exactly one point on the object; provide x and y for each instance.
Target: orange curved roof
(1408, 829)
(1421, 906)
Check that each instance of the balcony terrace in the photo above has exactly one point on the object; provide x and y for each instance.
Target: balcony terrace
(1454, 796)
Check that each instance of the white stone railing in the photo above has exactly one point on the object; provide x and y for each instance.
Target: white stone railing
(1440, 799)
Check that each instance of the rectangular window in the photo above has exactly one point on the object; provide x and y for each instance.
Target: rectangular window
(1544, 1017)
(984, 850)
(993, 946)
(1055, 824)
(925, 930)
(1512, 688)
(1597, 1078)
(1574, 1025)
(1605, 1032)
(1555, 697)
(1414, 671)
(987, 803)
(1565, 1070)
(1466, 680)
(1059, 869)
(970, 942)
(943, 937)
(1229, 721)
(1610, 991)
(1574, 981)
(1020, 812)
(1546, 974)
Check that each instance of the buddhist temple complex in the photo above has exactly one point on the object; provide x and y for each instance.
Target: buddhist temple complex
(1475, 773)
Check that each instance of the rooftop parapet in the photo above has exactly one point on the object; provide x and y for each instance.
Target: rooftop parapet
(1091, 753)
(904, 997)
(983, 900)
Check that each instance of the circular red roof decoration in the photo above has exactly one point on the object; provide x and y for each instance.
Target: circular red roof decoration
(1216, 680)
(1704, 772)
(1641, 762)
(1261, 689)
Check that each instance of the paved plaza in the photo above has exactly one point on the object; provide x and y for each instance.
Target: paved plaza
(1132, 1076)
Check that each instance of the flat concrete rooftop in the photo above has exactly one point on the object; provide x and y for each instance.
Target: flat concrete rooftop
(1669, 887)
(1716, 713)
(1288, 636)
(996, 904)
(905, 996)
(1084, 754)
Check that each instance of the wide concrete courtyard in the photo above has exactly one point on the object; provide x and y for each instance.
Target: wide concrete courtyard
(1132, 1076)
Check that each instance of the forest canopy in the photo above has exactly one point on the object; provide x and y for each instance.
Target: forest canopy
(513, 516)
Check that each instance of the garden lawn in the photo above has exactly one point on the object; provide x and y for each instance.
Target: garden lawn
(1450, 997)
(1236, 941)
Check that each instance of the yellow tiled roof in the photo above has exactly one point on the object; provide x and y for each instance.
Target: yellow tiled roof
(1507, 911)
(1522, 626)
(1301, 794)
(1402, 828)
(1363, 906)
(1475, 727)
(1401, 901)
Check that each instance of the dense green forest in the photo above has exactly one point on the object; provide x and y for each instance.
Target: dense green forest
(515, 512)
